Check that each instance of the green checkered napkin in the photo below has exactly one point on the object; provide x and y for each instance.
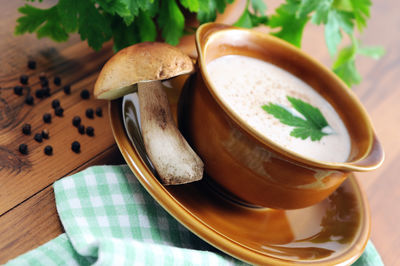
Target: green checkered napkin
(109, 219)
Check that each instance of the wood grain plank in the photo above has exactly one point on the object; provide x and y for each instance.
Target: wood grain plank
(24, 175)
(77, 65)
(35, 221)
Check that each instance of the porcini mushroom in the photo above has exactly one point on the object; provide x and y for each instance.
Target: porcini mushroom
(142, 67)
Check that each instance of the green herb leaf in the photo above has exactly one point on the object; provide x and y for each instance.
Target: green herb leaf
(337, 20)
(311, 126)
(345, 63)
(290, 24)
(221, 5)
(147, 28)
(259, 7)
(311, 113)
(322, 9)
(245, 20)
(93, 26)
(171, 21)
(99, 20)
(44, 21)
(123, 35)
(68, 13)
(117, 7)
(374, 52)
(208, 9)
(191, 5)
(361, 12)
(307, 6)
(250, 19)
(135, 5)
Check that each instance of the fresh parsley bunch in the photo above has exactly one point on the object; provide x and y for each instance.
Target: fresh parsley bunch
(125, 21)
(132, 21)
(337, 16)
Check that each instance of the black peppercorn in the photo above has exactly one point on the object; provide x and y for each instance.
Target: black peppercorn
(31, 64)
(59, 111)
(90, 131)
(55, 103)
(57, 81)
(18, 90)
(67, 89)
(48, 150)
(42, 76)
(45, 134)
(89, 113)
(26, 129)
(76, 121)
(81, 129)
(39, 93)
(99, 112)
(76, 146)
(24, 79)
(85, 94)
(29, 100)
(23, 148)
(47, 118)
(46, 92)
(38, 137)
(44, 82)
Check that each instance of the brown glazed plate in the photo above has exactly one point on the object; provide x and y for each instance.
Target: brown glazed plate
(334, 231)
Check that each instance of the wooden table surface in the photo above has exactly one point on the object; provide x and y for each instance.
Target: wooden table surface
(28, 217)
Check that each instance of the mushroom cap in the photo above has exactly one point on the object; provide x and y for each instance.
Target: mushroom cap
(142, 62)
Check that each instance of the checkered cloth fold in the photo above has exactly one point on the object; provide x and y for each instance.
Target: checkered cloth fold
(109, 219)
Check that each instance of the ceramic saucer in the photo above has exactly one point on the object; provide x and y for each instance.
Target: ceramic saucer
(334, 231)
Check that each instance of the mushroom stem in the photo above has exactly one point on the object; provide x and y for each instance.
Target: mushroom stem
(173, 158)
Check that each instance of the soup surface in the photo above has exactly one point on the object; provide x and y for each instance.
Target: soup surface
(245, 84)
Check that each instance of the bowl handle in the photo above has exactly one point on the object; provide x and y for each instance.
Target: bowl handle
(373, 160)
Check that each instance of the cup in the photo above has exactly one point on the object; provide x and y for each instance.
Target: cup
(248, 166)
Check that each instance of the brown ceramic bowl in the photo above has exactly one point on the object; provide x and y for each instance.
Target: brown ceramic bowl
(248, 166)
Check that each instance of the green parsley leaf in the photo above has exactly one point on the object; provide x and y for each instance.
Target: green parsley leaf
(44, 21)
(337, 20)
(147, 28)
(308, 6)
(321, 12)
(333, 16)
(361, 12)
(117, 7)
(259, 7)
(311, 113)
(135, 5)
(99, 20)
(348, 72)
(32, 19)
(123, 35)
(68, 14)
(249, 19)
(291, 26)
(191, 5)
(244, 20)
(208, 9)
(311, 126)
(221, 5)
(345, 63)
(374, 52)
(93, 26)
(171, 21)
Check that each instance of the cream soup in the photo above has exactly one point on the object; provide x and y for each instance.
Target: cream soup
(245, 84)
